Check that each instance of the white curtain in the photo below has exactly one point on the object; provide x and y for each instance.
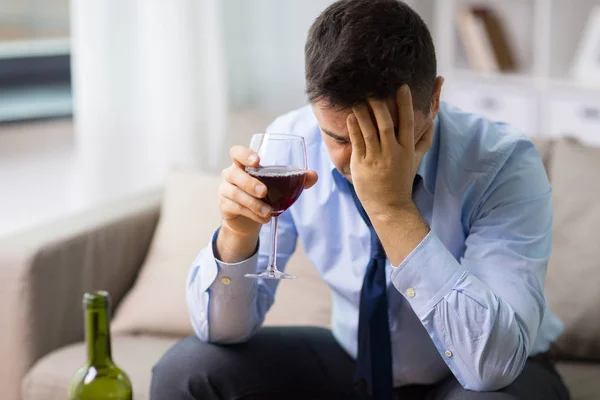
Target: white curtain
(150, 90)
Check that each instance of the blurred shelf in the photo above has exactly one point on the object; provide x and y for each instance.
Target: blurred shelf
(35, 48)
(523, 80)
(568, 22)
(574, 85)
(538, 106)
(517, 78)
(39, 101)
(544, 36)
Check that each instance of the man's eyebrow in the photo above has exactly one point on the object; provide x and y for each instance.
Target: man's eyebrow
(333, 135)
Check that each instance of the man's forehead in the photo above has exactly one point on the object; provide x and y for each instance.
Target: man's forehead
(332, 120)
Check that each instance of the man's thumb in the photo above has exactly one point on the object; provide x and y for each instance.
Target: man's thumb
(311, 179)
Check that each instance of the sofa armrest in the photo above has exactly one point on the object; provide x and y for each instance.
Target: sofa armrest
(44, 273)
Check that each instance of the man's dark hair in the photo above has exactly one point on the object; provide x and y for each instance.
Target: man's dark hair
(369, 48)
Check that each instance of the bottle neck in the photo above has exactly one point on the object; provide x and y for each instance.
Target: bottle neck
(98, 336)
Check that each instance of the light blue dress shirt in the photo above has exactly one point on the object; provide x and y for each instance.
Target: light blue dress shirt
(469, 300)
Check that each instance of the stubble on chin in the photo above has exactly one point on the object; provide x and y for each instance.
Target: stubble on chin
(346, 173)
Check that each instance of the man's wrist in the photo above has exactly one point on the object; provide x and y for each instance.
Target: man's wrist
(397, 212)
(233, 247)
(400, 229)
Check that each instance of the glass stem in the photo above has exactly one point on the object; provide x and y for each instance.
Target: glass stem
(273, 257)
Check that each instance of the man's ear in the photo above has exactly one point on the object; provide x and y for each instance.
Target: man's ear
(435, 98)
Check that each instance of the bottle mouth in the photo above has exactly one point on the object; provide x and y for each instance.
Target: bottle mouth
(97, 299)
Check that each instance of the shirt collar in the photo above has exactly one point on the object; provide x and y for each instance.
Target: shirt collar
(428, 168)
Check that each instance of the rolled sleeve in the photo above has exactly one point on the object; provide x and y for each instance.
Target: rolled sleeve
(427, 275)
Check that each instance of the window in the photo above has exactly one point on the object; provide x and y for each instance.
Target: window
(34, 59)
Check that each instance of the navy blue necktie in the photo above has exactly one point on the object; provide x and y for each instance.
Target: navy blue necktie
(373, 371)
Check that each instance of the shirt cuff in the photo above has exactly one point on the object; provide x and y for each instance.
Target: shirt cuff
(428, 273)
(230, 280)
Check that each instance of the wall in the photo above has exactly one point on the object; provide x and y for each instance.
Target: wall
(265, 51)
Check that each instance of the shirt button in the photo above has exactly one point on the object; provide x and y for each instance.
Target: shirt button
(448, 353)
(225, 281)
(410, 292)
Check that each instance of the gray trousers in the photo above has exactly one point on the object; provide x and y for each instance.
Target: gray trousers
(290, 363)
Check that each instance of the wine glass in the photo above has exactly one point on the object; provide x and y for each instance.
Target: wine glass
(282, 169)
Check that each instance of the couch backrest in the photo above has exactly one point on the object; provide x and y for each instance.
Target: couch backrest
(573, 278)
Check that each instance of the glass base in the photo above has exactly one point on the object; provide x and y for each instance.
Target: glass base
(270, 274)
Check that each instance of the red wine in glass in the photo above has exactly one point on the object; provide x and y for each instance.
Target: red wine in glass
(284, 185)
(283, 166)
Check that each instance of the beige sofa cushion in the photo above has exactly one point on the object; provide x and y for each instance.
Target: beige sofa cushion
(544, 147)
(189, 216)
(156, 303)
(574, 270)
(49, 378)
(581, 379)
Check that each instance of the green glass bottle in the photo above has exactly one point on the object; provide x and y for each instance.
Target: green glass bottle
(99, 378)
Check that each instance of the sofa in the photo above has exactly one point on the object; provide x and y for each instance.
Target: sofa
(140, 249)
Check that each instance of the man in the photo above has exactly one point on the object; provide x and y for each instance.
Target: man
(454, 308)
